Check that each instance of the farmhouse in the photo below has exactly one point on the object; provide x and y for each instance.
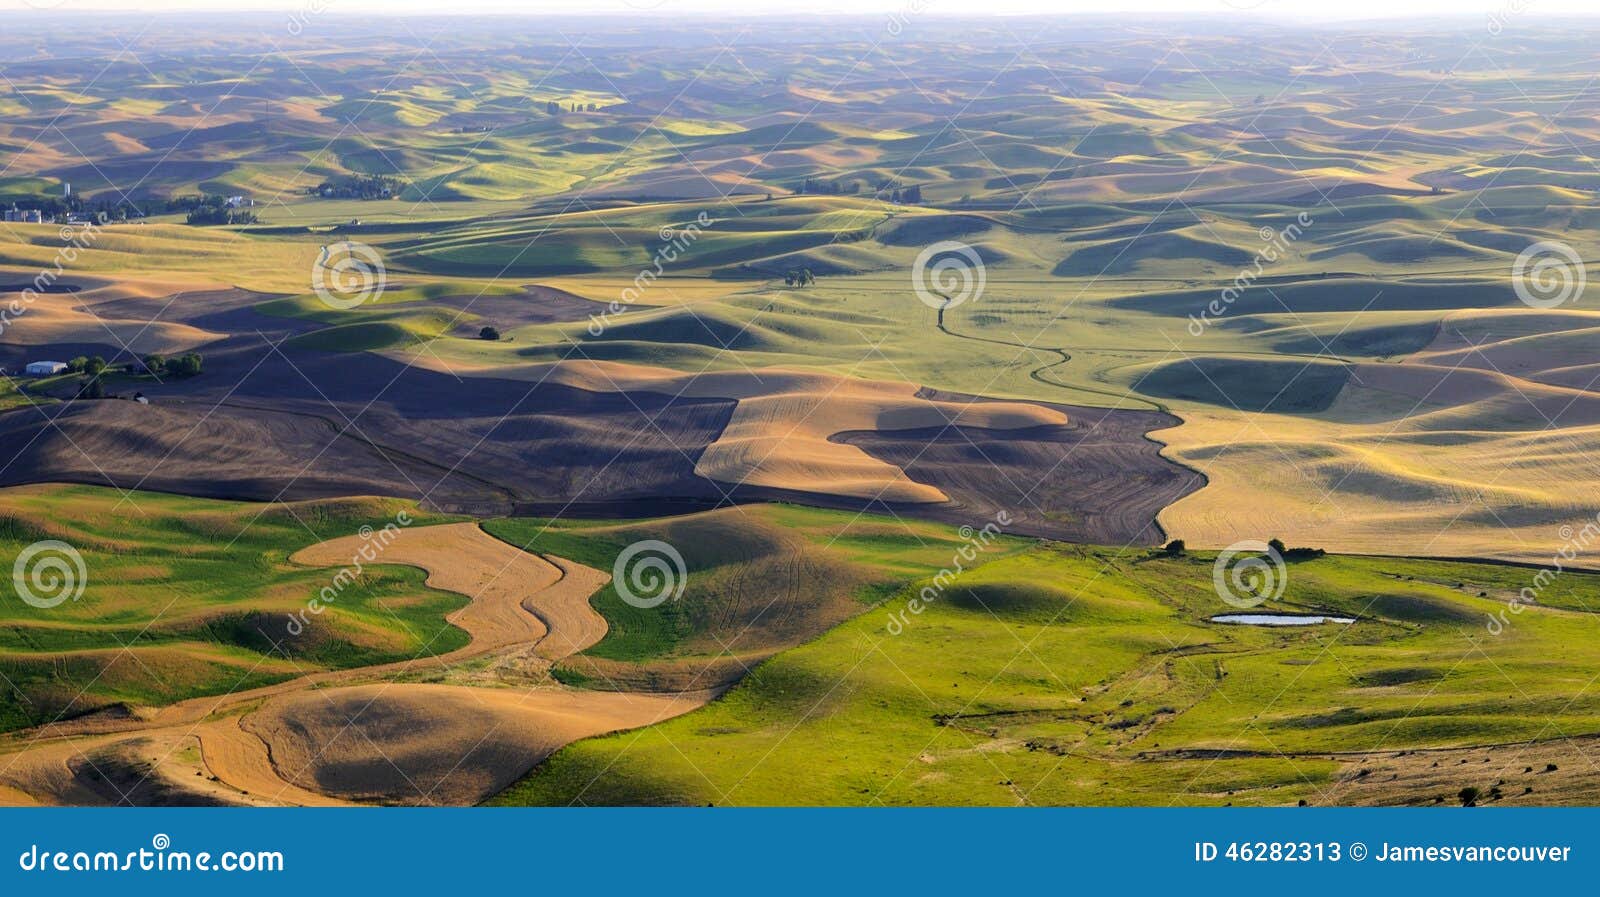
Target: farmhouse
(44, 368)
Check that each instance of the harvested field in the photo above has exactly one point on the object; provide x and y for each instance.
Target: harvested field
(536, 305)
(1060, 470)
(272, 422)
(1442, 454)
(759, 579)
(518, 598)
(1095, 478)
(437, 744)
(195, 449)
(319, 739)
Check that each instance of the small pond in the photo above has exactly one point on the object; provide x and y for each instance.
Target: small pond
(1280, 619)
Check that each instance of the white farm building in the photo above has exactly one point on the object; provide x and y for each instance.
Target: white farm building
(45, 368)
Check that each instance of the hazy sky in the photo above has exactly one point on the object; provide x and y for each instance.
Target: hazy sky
(1530, 10)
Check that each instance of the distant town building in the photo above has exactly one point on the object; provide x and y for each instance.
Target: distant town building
(45, 368)
(24, 216)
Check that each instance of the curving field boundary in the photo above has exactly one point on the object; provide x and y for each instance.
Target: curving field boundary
(373, 734)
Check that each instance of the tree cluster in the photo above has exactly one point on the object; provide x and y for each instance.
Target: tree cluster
(1295, 554)
(186, 365)
(888, 190)
(359, 186)
(214, 210)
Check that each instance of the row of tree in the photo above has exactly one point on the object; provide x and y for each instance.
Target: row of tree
(181, 366)
(359, 186)
(95, 366)
(886, 189)
(554, 108)
(214, 210)
(1176, 548)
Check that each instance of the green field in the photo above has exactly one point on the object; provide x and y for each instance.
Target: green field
(185, 597)
(1077, 675)
(759, 579)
